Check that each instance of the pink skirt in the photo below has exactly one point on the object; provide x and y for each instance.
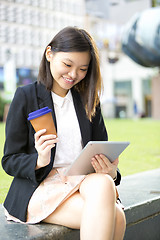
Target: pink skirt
(50, 194)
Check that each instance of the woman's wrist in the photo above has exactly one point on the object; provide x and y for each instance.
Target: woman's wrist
(38, 165)
(41, 163)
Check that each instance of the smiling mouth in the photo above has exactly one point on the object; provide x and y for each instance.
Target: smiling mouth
(68, 80)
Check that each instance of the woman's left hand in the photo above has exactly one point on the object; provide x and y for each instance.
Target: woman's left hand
(101, 164)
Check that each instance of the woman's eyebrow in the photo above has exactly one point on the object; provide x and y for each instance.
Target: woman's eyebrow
(68, 59)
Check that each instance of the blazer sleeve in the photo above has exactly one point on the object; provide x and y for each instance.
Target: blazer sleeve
(99, 132)
(19, 160)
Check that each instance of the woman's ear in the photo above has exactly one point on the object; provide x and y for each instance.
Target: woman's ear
(48, 54)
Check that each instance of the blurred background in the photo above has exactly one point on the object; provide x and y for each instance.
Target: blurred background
(131, 88)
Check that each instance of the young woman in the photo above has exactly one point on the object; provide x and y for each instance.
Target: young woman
(69, 82)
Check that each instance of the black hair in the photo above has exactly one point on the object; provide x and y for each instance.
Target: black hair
(73, 39)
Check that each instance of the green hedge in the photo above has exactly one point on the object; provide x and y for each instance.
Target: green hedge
(3, 102)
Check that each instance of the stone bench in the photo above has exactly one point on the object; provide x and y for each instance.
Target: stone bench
(140, 194)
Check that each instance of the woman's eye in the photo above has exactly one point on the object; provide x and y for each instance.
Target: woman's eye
(68, 65)
(84, 70)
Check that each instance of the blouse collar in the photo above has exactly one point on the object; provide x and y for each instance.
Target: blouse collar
(58, 100)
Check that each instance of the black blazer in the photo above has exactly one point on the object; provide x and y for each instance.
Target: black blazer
(20, 155)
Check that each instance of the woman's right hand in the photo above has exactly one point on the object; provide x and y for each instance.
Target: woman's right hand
(43, 145)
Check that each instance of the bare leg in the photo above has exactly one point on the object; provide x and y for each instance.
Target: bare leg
(92, 210)
(120, 223)
(98, 217)
(69, 213)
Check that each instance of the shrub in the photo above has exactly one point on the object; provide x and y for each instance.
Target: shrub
(3, 102)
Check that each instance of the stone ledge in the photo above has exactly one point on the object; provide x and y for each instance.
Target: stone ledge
(43, 231)
(140, 194)
(142, 211)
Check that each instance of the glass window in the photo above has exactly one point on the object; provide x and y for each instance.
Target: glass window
(57, 6)
(35, 3)
(28, 58)
(3, 12)
(35, 58)
(20, 35)
(19, 1)
(11, 35)
(35, 18)
(50, 4)
(27, 16)
(27, 37)
(35, 37)
(27, 2)
(20, 57)
(42, 3)
(2, 55)
(50, 21)
(19, 15)
(2, 33)
(42, 19)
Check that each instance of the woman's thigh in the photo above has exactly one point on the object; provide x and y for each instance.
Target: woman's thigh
(68, 213)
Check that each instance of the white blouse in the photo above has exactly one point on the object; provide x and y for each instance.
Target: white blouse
(68, 131)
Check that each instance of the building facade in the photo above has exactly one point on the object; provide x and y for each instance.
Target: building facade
(26, 27)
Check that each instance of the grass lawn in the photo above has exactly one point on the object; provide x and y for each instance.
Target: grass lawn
(5, 180)
(142, 154)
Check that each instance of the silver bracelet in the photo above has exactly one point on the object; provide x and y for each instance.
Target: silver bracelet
(115, 178)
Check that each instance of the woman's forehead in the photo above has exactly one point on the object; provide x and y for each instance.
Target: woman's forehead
(82, 58)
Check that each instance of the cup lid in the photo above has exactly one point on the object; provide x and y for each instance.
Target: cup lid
(38, 113)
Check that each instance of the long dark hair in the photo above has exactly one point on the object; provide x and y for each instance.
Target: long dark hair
(73, 39)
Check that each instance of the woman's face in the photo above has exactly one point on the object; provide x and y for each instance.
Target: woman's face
(67, 69)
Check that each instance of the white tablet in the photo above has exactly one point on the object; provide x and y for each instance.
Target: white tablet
(82, 165)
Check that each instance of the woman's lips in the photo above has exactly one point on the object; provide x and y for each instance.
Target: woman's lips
(68, 80)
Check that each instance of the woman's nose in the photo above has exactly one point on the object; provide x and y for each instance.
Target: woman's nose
(73, 74)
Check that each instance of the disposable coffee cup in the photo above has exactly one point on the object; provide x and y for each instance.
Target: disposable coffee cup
(42, 119)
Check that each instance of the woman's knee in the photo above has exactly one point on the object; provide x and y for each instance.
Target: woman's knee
(120, 218)
(96, 184)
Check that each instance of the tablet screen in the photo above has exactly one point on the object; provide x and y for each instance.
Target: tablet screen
(82, 165)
